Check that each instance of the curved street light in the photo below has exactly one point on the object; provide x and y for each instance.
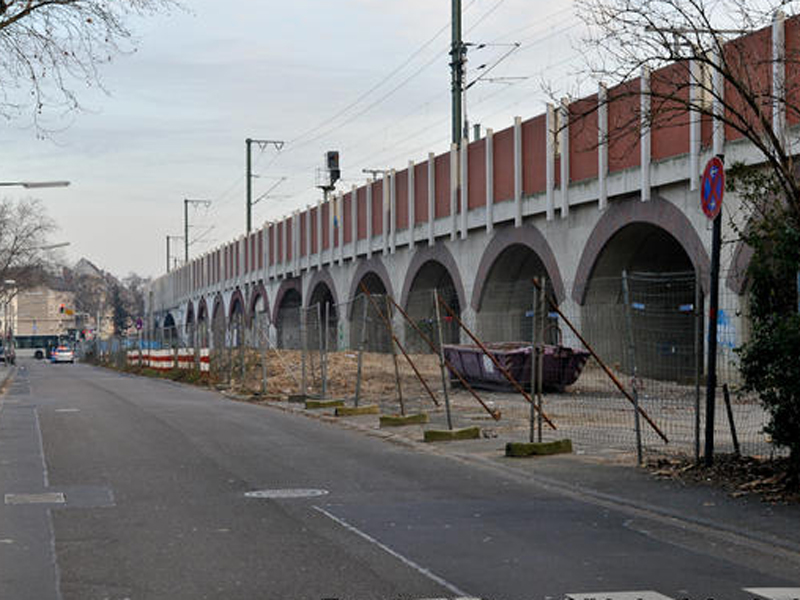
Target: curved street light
(32, 185)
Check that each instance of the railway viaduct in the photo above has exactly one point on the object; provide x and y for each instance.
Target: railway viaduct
(551, 196)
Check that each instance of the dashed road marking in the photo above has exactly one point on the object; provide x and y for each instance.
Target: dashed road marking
(641, 595)
(43, 498)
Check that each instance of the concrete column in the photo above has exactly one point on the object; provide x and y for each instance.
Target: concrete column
(779, 77)
(354, 222)
(296, 242)
(489, 180)
(550, 160)
(319, 234)
(645, 128)
(385, 209)
(412, 199)
(453, 191)
(285, 266)
(392, 211)
(718, 108)
(602, 146)
(464, 196)
(431, 198)
(517, 171)
(308, 237)
(369, 219)
(340, 218)
(695, 124)
(331, 232)
(274, 249)
(564, 139)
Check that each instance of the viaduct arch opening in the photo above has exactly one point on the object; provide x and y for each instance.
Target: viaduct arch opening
(506, 298)
(662, 280)
(377, 338)
(431, 277)
(322, 317)
(287, 321)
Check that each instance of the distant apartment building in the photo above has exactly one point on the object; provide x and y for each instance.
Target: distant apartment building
(42, 311)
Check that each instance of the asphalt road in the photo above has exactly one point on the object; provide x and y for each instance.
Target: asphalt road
(122, 487)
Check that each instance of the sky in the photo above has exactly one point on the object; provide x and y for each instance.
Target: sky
(369, 78)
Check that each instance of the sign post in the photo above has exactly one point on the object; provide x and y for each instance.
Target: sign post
(712, 190)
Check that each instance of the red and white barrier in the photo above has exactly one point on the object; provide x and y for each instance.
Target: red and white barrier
(164, 360)
(185, 358)
(205, 360)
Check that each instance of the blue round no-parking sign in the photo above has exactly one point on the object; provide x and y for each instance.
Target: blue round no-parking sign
(712, 188)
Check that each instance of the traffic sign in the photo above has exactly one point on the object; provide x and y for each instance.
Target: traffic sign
(712, 188)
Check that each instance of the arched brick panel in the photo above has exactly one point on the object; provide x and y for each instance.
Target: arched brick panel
(372, 265)
(321, 276)
(737, 273)
(219, 308)
(236, 298)
(620, 214)
(190, 314)
(289, 284)
(202, 310)
(440, 254)
(527, 236)
(258, 291)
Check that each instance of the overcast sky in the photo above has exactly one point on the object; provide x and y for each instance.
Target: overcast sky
(369, 78)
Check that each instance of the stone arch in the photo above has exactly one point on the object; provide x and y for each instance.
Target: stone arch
(286, 313)
(190, 314)
(286, 287)
(169, 329)
(202, 321)
(439, 254)
(504, 239)
(321, 277)
(321, 290)
(218, 322)
(236, 303)
(657, 212)
(737, 273)
(375, 266)
(202, 310)
(259, 292)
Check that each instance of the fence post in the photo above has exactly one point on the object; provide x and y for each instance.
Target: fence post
(534, 359)
(441, 359)
(390, 320)
(540, 363)
(325, 332)
(263, 343)
(361, 343)
(698, 363)
(632, 354)
(321, 349)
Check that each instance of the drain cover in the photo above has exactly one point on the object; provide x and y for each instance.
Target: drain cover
(286, 493)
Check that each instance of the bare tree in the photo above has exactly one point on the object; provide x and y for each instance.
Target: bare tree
(24, 227)
(49, 47)
(704, 60)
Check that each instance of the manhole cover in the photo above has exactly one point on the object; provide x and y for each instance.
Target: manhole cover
(286, 493)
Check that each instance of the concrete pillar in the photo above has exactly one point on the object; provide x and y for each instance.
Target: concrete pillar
(340, 219)
(489, 180)
(385, 208)
(550, 160)
(319, 234)
(464, 196)
(695, 124)
(453, 191)
(602, 146)
(354, 222)
(779, 77)
(412, 199)
(564, 138)
(645, 128)
(392, 211)
(308, 237)
(431, 198)
(331, 232)
(369, 219)
(517, 171)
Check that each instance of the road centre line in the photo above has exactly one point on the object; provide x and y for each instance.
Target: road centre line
(407, 561)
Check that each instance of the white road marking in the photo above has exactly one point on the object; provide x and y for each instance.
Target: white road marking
(643, 595)
(44, 498)
(776, 593)
(407, 561)
(68, 410)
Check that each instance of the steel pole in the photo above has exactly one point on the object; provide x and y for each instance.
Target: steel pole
(186, 230)
(456, 70)
(249, 183)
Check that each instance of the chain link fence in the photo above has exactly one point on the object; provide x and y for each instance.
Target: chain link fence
(624, 370)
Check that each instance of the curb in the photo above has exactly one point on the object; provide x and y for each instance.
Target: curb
(452, 435)
(525, 449)
(354, 411)
(400, 421)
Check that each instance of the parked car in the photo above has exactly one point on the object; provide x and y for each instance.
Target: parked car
(62, 354)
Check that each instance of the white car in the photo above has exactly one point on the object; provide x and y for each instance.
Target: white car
(63, 354)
